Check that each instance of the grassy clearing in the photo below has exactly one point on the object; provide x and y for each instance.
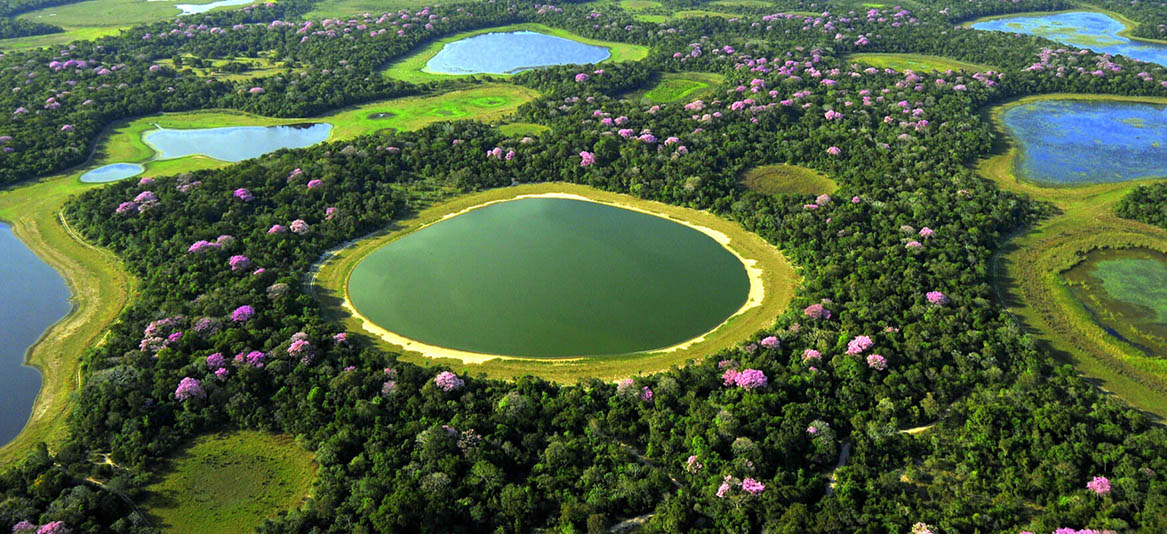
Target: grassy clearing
(352, 8)
(523, 129)
(788, 179)
(684, 14)
(672, 87)
(100, 289)
(230, 483)
(213, 68)
(916, 62)
(636, 5)
(1028, 272)
(412, 68)
(779, 281)
(96, 18)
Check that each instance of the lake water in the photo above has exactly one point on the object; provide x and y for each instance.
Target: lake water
(1125, 291)
(32, 297)
(1083, 29)
(511, 52)
(550, 277)
(191, 9)
(112, 173)
(1072, 142)
(234, 143)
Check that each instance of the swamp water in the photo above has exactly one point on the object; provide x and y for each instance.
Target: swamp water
(1083, 29)
(511, 52)
(549, 277)
(1125, 292)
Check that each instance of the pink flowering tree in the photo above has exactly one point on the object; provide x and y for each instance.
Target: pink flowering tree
(447, 381)
(243, 314)
(1099, 485)
(937, 298)
(189, 388)
(859, 345)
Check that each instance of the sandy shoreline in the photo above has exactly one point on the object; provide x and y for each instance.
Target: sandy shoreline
(753, 299)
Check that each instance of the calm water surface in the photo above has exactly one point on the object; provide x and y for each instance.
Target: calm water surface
(511, 52)
(191, 9)
(1072, 142)
(1125, 292)
(32, 297)
(112, 173)
(1083, 29)
(550, 277)
(234, 143)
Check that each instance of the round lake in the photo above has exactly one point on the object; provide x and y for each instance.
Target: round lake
(112, 173)
(550, 277)
(33, 297)
(511, 52)
(1125, 292)
(1084, 29)
(235, 143)
(1069, 142)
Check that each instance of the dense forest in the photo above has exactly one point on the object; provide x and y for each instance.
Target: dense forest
(899, 257)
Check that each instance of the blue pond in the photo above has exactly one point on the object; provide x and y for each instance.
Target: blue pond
(1083, 29)
(1071, 142)
(32, 297)
(235, 143)
(112, 173)
(508, 53)
(192, 9)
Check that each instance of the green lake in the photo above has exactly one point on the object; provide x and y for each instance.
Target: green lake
(1125, 292)
(550, 277)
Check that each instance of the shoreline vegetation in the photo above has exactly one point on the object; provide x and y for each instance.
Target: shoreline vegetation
(1128, 24)
(768, 297)
(1029, 267)
(99, 287)
(412, 67)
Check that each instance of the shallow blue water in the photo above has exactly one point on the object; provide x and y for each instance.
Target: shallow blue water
(32, 297)
(508, 53)
(235, 143)
(112, 173)
(191, 9)
(1084, 29)
(1079, 141)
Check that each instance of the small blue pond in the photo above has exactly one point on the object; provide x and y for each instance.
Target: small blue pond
(191, 9)
(1070, 142)
(32, 297)
(112, 173)
(235, 143)
(1083, 29)
(508, 53)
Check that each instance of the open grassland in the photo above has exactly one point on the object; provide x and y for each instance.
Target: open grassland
(353, 8)
(787, 179)
(672, 87)
(1029, 271)
(657, 18)
(100, 289)
(213, 68)
(521, 129)
(778, 283)
(230, 482)
(95, 18)
(916, 62)
(412, 68)
(637, 5)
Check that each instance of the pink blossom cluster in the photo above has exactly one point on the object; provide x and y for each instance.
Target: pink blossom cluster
(243, 314)
(816, 311)
(1099, 485)
(937, 298)
(189, 388)
(859, 344)
(447, 381)
(747, 379)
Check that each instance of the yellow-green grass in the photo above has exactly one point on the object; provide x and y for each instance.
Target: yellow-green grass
(487, 103)
(761, 4)
(916, 62)
(673, 86)
(353, 8)
(100, 289)
(229, 482)
(787, 179)
(95, 18)
(778, 283)
(412, 68)
(636, 5)
(686, 14)
(522, 129)
(1129, 25)
(257, 66)
(1028, 272)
